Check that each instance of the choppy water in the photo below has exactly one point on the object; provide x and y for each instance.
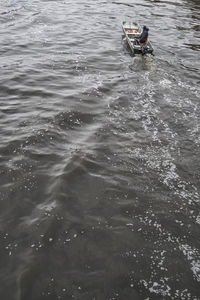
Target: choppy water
(100, 151)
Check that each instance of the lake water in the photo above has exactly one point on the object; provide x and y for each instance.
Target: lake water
(99, 152)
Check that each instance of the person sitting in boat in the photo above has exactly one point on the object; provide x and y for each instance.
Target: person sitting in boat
(143, 38)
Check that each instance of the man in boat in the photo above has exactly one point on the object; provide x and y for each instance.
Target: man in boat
(143, 38)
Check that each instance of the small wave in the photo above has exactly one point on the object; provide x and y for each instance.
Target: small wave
(73, 119)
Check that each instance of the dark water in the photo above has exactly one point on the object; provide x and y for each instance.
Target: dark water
(100, 151)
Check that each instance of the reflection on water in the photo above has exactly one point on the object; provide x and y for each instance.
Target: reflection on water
(99, 155)
(193, 47)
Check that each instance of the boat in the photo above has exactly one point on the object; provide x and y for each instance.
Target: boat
(132, 31)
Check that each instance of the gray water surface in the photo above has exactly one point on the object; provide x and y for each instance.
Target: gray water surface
(99, 152)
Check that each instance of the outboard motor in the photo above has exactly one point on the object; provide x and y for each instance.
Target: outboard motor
(144, 50)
